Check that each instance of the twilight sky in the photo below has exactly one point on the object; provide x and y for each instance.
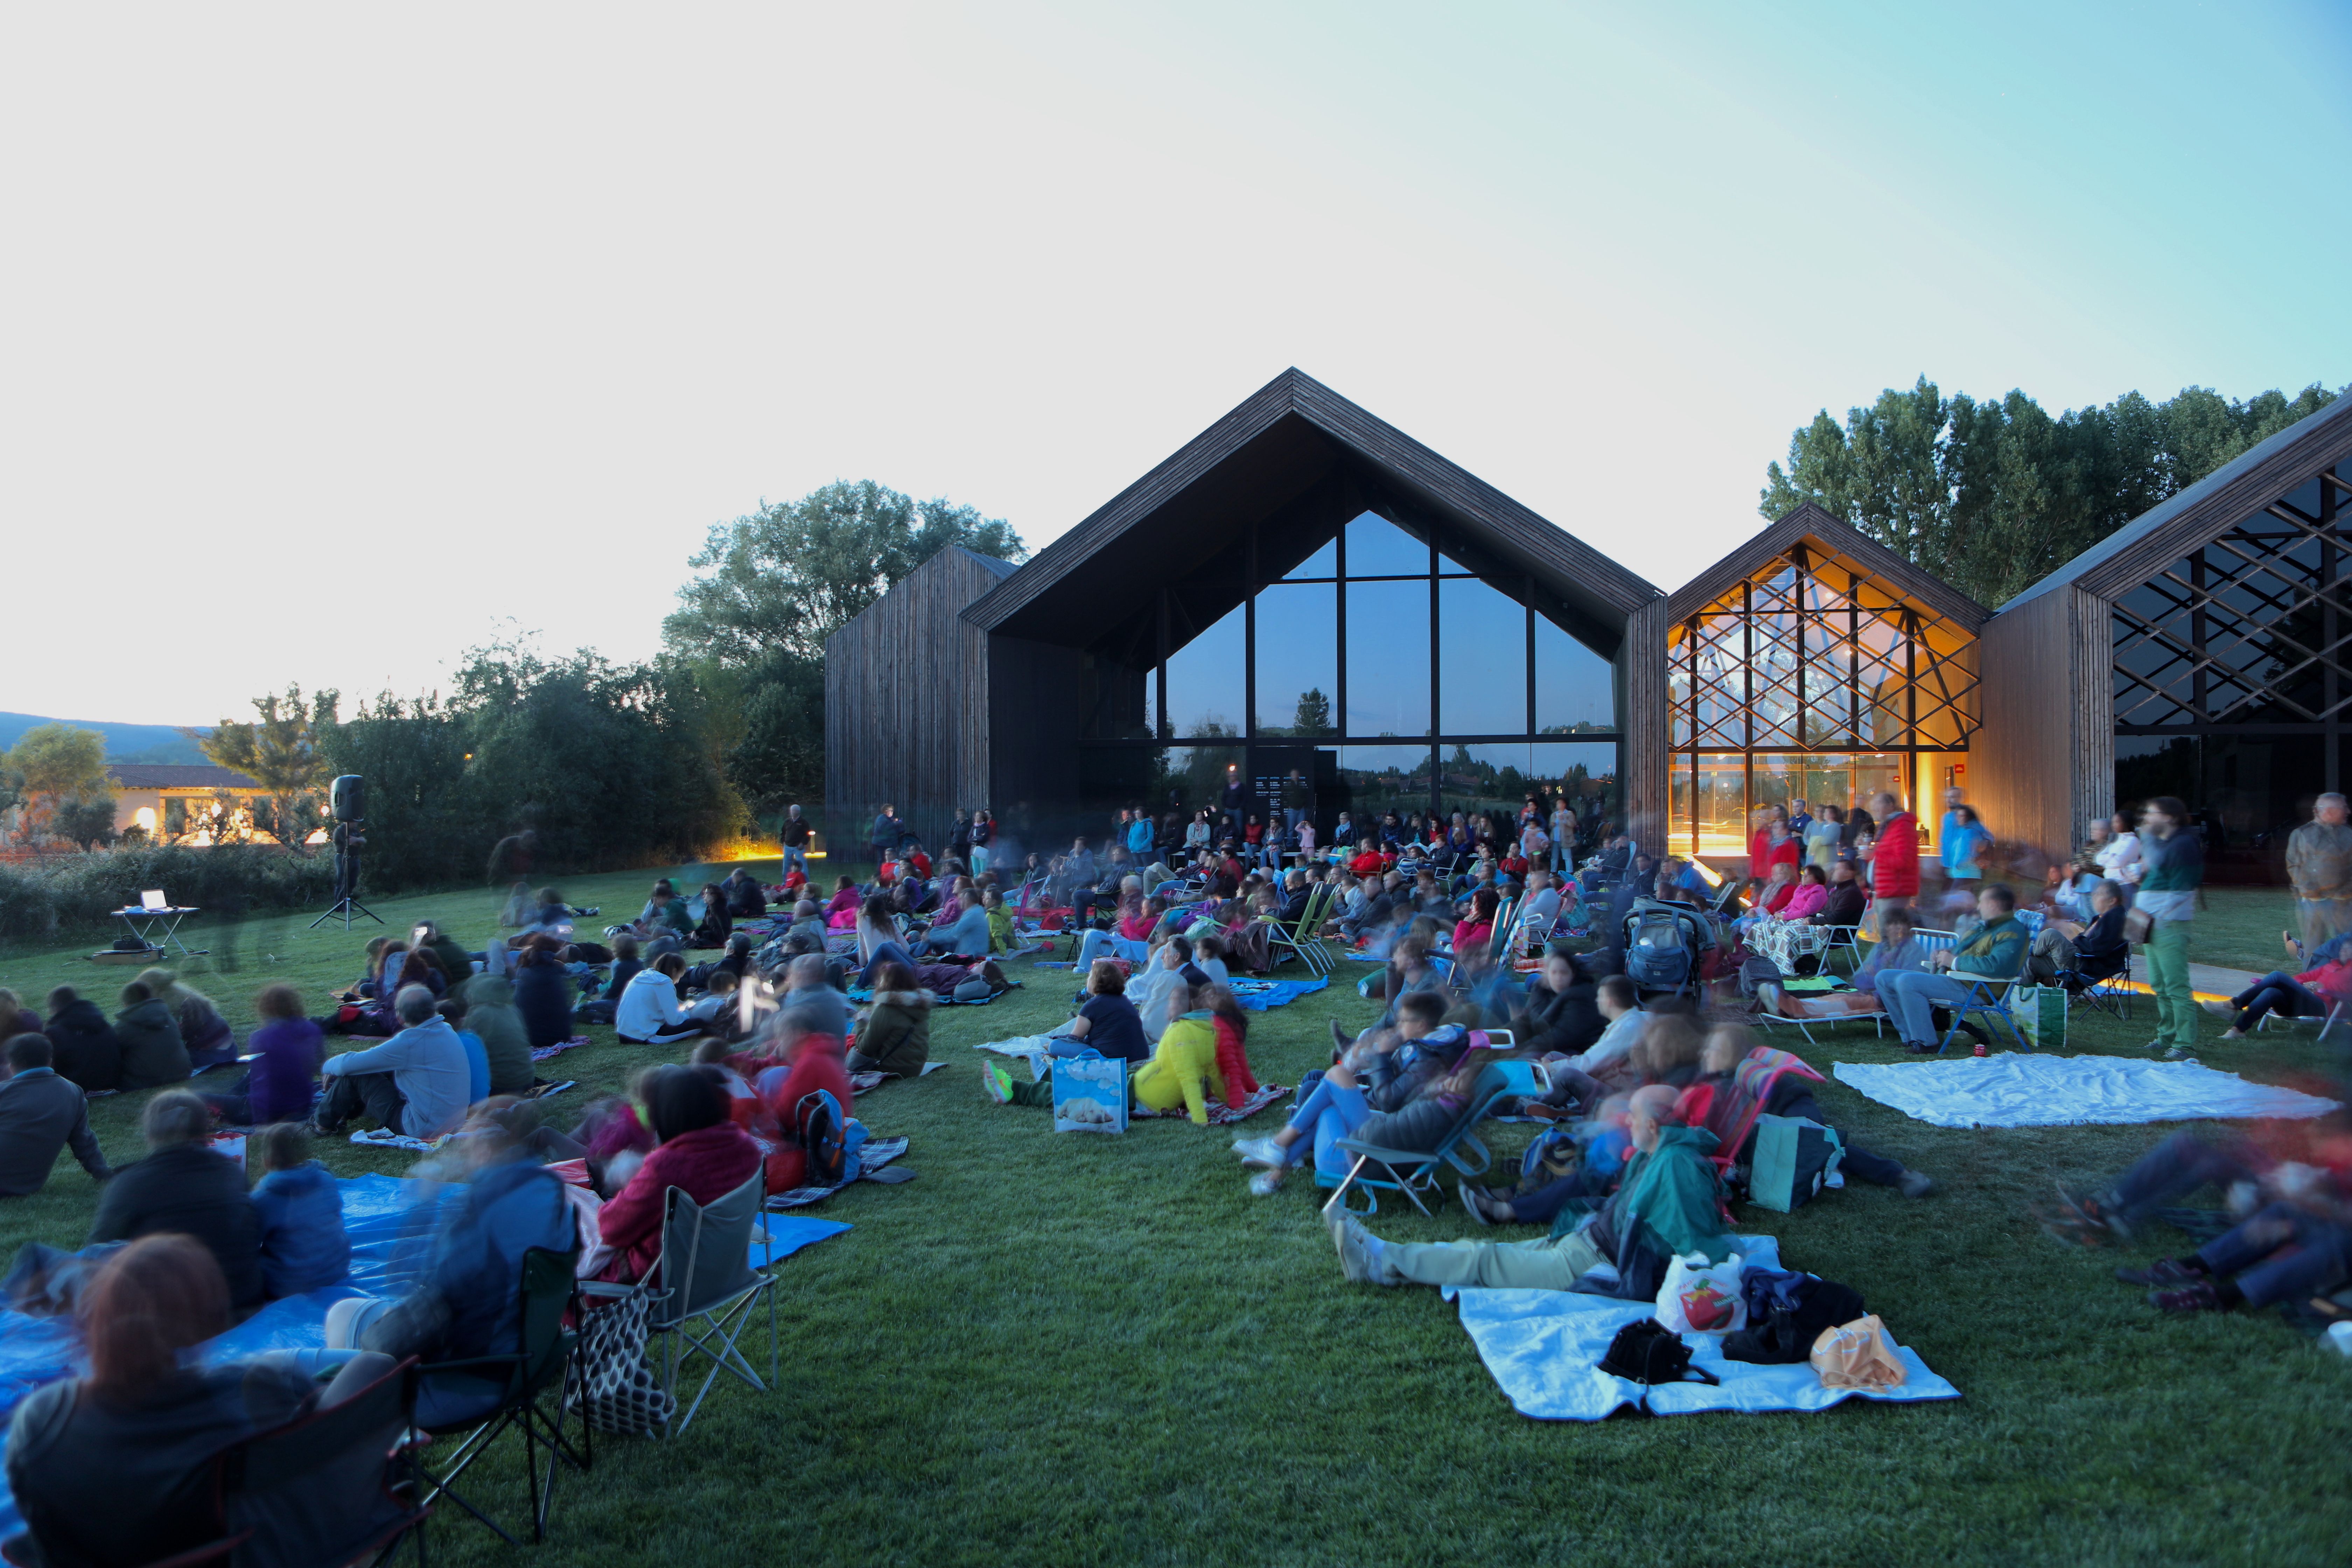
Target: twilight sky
(332, 341)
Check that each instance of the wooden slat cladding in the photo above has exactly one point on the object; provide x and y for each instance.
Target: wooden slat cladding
(2024, 766)
(906, 702)
(1642, 664)
(2091, 640)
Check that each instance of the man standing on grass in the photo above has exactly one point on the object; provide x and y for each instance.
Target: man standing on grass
(795, 837)
(2175, 862)
(2319, 864)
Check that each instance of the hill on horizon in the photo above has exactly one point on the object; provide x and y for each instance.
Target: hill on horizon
(153, 744)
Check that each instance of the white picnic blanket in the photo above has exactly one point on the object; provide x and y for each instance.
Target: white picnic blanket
(2016, 1089)
(1544, 1348)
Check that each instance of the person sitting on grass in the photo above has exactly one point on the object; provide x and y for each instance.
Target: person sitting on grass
(698, 1150)
(86, 1052)
(1402, 1089)
(746, 899)
(967, 934)
(716, 925)
(152, 1048)
(457, 964)
(1667, 1206)
(543, 993)
(650, 1013)
(182, 1185)
(1993, 951)
(206, 1034)
(894, 1035)
(801, 1058)
(303, 1247)
(119, 1465)
(414, 1084)
(492, 1017)
(283, 1081)
(1107, 1022)
(40, 1115)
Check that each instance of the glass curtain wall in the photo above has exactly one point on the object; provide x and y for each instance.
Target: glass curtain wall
(1432, 686)
(1808, 681)
(2233, 677)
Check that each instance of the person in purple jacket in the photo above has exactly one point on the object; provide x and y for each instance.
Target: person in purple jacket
(283, 1081)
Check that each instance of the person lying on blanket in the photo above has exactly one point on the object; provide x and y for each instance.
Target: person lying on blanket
(1669, 1198)
(1896, 951)
(1742, 1077)
(1403, 1088)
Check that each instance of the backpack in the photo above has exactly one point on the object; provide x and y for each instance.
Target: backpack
(1793, 1159)
(1757, 971)
(1649, 1353)
(829, 1140)
(1658, 956)
(1786, 1313)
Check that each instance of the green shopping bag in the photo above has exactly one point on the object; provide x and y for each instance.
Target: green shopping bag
(2040, 1013)
(1793, 1158)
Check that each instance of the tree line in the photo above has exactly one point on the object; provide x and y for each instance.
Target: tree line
(1992, 496)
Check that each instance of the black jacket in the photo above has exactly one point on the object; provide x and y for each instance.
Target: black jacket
(41, 1113)
(154, 1052)
(189, 1189)
(85, 1047)
(1568, 1022)
(543, 993)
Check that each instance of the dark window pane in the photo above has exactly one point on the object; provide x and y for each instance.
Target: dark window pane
(1483, 675)
(1298, 659)
(1387, 659)
(1585, 772)
(1205, 688)
(1576, 689)
(1324, 562)
(1192, 778)
(1380, 779)
(1484, 778)
(1379, 548)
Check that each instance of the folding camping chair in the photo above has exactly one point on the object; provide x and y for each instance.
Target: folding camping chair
(1300, 938)
(1989, 997)
(512, 1385)
(2109, 993)
(1805, 1026)
(1414, 1172)
(708, 1289)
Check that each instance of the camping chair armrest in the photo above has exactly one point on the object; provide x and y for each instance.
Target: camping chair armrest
(1390, 1157)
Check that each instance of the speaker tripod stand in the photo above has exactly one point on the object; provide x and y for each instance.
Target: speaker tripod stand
(348, 909)
(347, 906)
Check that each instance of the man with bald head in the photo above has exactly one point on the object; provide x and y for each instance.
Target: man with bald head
(1668, 1194)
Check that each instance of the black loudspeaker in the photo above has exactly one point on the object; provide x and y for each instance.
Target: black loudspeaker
(349, 797)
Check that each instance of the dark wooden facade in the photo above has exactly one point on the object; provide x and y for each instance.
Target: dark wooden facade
(906, 703)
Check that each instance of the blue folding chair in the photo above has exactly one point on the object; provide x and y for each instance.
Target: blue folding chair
(1414, 1172)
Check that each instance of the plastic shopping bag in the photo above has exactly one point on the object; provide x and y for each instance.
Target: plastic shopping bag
(1703, 1298)
(1858, 1355)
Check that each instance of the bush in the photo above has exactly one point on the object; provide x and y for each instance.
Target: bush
(45, 898)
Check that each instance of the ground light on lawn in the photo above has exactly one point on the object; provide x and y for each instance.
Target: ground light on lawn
(1063, 1349)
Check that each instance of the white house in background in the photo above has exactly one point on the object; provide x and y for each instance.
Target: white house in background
(159, 797)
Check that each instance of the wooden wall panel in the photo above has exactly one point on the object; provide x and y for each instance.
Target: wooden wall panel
(1643, 666)
(906, 704)
(2022, 773)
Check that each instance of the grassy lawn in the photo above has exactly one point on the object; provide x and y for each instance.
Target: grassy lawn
(1070, 1349)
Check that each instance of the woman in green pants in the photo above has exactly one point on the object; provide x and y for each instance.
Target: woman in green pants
(2174, 860)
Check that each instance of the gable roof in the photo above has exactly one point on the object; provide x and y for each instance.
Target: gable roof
(176, 775)
(1813, 524)
(2171, 529)
(1275, 448)
(998, 569)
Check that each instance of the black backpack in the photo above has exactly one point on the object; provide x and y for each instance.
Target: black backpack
(816, 1127)
(1781, 1334)
(1649, 1353)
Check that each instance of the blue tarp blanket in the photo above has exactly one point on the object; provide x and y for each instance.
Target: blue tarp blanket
(390, 1224)
(1257, 995)
(1544, 1348)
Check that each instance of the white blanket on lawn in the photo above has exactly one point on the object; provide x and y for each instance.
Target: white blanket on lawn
(1544, 1348)
(2014, 1089)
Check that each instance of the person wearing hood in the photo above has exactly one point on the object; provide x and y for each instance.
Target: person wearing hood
(492, 1016)
(1670, 1195)
(895, 1037)
(83, 1043)
(152, 1049)
(303, 1245)
(414, 1083)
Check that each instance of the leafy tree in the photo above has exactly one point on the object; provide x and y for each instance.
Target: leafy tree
(1993, 496)
(54, 763)
(88, 821)
(1314, 715)
(790, 574)
(281, 752)
(424, 825)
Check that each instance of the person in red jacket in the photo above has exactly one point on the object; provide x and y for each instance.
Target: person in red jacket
(1773, 848)
(702, 1153)
(1894, 862)
(805, 1062)
(1233, 1045)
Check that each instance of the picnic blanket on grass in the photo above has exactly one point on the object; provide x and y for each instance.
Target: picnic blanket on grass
(548, 1053)
(2018, 1089)
(861, 1082)
(1224, 1115)
(1257, 995)
(1544, 1348)
(876, 1154)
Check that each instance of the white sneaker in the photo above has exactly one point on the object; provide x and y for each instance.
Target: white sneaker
(1265, 1184)
(1260, 1152)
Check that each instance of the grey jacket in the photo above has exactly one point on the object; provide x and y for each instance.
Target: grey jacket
(41, 1113)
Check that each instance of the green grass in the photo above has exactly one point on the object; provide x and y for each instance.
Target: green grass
(1071, 1350)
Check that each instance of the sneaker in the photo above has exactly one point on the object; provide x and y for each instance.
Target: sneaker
(1471, 1201)
(2094, 1214)
(996, 1083)
(2233, 1034)
(2219, 1009)
(1265, 1184)
(1261, 1152)
(2198, 1298)
(2178, 1054)
(1355, 1248)
(1915, 1185)
(2163, 1271)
